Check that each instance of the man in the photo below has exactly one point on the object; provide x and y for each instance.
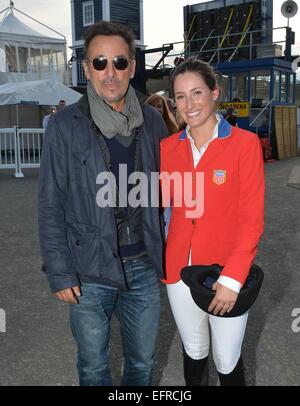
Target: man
(46, 119)
(98, 258)
(61, 104)
(230, 116)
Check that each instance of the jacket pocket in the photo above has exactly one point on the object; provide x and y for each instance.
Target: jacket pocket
(85, 251)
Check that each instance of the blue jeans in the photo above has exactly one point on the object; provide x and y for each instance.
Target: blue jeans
(138, 311)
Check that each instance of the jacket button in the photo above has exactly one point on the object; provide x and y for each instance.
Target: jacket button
(84, 162)
(77, 242)
(193, 221)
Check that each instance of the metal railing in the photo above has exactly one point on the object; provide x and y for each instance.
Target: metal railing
(269, 106)
(20, 148)
(222, 48)
(7, 148)
(81, 78)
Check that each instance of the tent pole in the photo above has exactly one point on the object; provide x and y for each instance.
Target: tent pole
(7, 8)
(17, 115)
(41, 23)
(18, 170)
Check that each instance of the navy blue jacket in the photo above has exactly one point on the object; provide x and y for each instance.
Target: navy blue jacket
(77, 237)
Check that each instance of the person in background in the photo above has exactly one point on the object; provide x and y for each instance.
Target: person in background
(46, 119)
(230, 116)
(172, 106)
(224, 228)
(61, 104)
(104, 257)
(178, 118)
(180, 121)
(160, 104)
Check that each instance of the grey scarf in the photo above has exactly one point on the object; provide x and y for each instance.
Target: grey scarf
(109, 121)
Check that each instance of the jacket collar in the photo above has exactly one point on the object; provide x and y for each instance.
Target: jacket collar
(215, 148)
(224, 129)
(84, 107)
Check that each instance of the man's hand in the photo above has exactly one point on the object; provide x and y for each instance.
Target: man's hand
(223, 301)
(68, 295)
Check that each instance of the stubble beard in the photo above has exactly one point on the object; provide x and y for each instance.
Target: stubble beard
(114, 98)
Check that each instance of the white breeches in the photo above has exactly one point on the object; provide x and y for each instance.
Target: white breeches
(227, 333)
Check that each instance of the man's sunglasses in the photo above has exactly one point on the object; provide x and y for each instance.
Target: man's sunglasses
(119, 62)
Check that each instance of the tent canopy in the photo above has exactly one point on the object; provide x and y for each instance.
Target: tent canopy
(12, 29)
(30, 50)
(42, 92)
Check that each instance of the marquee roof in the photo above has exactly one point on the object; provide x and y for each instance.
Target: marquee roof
(13, 30)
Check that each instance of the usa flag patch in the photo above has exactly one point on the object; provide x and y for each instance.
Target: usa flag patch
(219, 176)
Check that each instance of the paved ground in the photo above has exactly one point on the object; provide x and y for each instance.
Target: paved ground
(37, 347)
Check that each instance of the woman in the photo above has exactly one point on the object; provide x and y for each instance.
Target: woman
(226, 230)
(160, 104)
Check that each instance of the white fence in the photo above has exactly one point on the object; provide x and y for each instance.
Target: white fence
(20, 148)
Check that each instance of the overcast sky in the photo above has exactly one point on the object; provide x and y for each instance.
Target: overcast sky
(163, 19)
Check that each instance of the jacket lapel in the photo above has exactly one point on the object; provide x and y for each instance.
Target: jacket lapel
(217, 146)
(215, 149)
(184, 152)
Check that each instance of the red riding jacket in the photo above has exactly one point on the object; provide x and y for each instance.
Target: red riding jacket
(229, 229)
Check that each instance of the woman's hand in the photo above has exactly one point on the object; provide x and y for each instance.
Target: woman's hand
(223, 301)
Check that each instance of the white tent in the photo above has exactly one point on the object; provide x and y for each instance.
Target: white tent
(42, 92)
(12, 29)
(30, 50)
(22, 103)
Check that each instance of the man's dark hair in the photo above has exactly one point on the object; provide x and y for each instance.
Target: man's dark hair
(110, 28)
(194, 65)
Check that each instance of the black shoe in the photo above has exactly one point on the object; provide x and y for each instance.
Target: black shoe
(234, 378)
(195, 370)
